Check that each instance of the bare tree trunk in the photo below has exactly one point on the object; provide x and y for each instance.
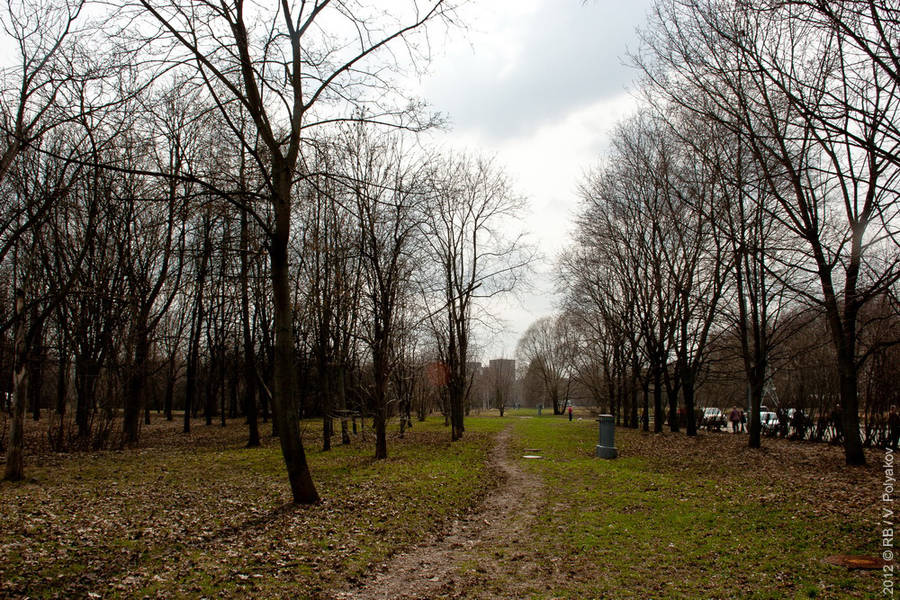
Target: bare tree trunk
(212, 380)
(380, 432)
(170, 388)
(673, 410)
(36, 365)
(86, 373)
(342, 401)
(756, 377)
(646, 394)
(250, 385)
(250, 388)
(285, 417)
(847, 377)
(456, 392)
(191, 383)
(137, 381)
(657, 400)
(634, 398)
(190, 388)
(15, 454)
(233, 380)
(325, 395)
(380, 397)
(62, 385)
(687, 387)
(223, 390)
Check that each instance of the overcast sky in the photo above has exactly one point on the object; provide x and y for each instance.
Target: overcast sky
(539, 84)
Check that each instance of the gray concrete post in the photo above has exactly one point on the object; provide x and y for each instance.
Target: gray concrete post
(607, 447)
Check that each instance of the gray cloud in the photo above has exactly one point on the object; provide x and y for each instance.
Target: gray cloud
(572, 57)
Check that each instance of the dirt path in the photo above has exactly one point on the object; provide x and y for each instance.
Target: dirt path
(434, 568)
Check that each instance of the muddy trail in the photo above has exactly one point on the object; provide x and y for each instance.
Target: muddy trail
(463, 561)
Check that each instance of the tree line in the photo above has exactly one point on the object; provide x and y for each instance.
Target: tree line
(740, 239)
(223, 208)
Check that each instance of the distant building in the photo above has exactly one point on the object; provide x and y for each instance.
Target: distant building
(477, 395)
(504, 367)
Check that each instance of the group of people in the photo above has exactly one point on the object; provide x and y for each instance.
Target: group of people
(738, 420)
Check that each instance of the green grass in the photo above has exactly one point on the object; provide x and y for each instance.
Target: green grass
(670, 518)
(645, 526)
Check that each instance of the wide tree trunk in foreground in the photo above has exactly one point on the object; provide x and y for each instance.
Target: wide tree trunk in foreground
(286, 416)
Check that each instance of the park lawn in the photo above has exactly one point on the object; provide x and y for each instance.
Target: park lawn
(672, 517)
(675, 517)
(215, 519)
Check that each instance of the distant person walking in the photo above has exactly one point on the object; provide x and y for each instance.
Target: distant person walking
(735, 418)
(743, 421)
(570, 412)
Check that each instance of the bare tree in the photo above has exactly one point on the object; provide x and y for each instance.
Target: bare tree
(333, 277)
(500, 379)
(627, 240)
(607, 359)
(15, 456)
(817, 115)
(545, 346)
(152, 245)
(36, 257)
(757, 300)
(473, 256)
(387, 189)
(42, 34)
(695, 261)
(289, 67)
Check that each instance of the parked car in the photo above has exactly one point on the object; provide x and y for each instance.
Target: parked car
(769, 421)
(713, 418)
